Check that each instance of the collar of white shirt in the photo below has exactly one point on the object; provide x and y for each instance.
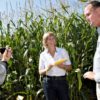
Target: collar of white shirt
(98, 30)
(46, 50)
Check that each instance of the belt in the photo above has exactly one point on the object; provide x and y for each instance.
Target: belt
(55, 77)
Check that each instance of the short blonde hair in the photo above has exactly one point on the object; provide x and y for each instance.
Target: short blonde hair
(45, 37)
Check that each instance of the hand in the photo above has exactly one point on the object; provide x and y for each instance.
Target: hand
(7, 54)
(61, 66)
(89, 75)
(64, 67)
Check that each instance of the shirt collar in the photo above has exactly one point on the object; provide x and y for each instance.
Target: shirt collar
(46, 50)
(98, 30)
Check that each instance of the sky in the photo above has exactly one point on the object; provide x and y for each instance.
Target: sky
(5, 3)
(9, 4)
(14, 9)
(8, 8)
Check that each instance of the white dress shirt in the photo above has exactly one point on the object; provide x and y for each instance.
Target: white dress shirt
(46, 59)
(96, 62)
(96, 66)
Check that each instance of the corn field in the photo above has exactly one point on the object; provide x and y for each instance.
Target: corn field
(25, 37)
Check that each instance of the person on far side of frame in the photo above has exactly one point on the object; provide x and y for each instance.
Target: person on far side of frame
(92, 14)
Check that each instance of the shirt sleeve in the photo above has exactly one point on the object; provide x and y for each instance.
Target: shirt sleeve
(3, 71)
(41, 62)
(97, 77)
(66, 55)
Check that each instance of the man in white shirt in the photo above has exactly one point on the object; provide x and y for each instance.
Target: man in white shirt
(92, 14)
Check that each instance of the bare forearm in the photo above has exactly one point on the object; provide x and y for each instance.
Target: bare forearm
(43, 71)
(65, 67)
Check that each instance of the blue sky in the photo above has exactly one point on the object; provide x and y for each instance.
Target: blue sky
(14, 8)
(8, 5)
(4, 4)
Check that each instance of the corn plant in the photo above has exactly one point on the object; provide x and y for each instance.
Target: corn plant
(72, 32)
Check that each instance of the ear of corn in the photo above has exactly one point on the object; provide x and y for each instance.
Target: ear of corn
(60, 61)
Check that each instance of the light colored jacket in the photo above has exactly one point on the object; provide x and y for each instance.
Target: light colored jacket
(96, 62)
(2, 72)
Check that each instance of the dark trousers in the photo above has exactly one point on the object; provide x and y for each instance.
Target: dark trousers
(56, 88)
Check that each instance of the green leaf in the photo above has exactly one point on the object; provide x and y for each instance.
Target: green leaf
(79, 80)
(0, 24)
(83, 0)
